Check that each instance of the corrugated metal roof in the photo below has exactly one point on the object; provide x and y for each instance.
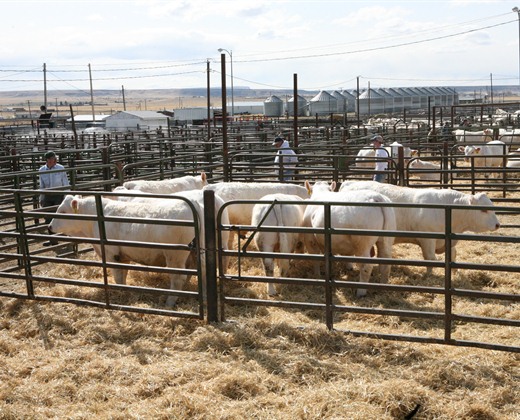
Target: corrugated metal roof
(373, 94)
(300, 99)
(144, 114)
(273, 98)
(323, 96)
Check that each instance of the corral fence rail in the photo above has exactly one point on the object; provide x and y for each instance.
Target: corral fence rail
(331, 308)
(26, 267)
(29, 270)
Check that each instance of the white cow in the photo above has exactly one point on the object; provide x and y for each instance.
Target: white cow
(513, 159)
(145, 208)
(351, 217)
(461, 136)
(425, 169)
(509, 136)
(489, 155)
(421, 219)
(168, 186)
(279, 215)
(366, 155)
(393, 150)
(240, 214)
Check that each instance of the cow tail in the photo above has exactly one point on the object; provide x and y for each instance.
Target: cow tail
(388, 217)
(282, 236)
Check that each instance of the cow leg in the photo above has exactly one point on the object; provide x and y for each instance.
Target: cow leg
(312, 247)
(453, 256)
(428, 251)
(269, 272)
(384, 250)
(113, 255)
(231, 239)
(119, 275)
(365, 270)
(186, 260)
(176, 283)
(264, 243)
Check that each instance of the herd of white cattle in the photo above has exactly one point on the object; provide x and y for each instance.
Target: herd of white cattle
(478, 148)
(295, 209)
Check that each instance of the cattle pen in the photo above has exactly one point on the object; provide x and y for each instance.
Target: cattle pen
(97, 165)
(75, 342)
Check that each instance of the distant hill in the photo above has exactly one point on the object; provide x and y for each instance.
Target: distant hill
(186, 97)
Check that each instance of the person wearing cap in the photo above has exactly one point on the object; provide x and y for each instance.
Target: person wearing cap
(381, 165)
(285, 157)
(50, 178)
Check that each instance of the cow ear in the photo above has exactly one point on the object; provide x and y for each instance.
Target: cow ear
(308, 186)
(461, 149)
(75, 204)
(333, 186)
(203, 176)
(474, 199)
(477, 149)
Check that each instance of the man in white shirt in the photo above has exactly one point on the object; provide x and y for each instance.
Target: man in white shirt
(285, 157)
(381, 165)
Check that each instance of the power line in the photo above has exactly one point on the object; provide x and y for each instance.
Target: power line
(403, 44)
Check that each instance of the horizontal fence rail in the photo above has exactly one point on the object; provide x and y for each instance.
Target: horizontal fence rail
(448, 316)
(97, 164)
(29, 269)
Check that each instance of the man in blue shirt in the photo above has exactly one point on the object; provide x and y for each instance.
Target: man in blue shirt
(51, 178)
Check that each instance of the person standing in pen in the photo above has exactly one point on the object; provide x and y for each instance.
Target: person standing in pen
(381, 165)
(50, 178)
(285, 157)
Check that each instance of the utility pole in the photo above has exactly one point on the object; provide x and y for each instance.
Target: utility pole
(123, 92)
(91, 94)
(45, 86)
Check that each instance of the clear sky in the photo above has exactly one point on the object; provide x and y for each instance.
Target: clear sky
(329, 44)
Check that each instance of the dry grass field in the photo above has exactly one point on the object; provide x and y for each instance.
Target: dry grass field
(66, 361)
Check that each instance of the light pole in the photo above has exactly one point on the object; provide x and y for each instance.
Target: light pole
(232, 90)
(517, 10)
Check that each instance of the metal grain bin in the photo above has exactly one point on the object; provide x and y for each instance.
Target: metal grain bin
(302, 106)
(273, 106)
(322, 104)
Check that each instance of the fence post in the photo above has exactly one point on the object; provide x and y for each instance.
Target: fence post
(400, 165)
(210, 246)
(327, 253)
(448, 298)
(445, 164)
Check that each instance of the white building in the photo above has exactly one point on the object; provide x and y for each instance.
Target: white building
(136, 121)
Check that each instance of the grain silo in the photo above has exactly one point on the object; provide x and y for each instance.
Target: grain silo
(351, 99)
(370, 102)
(273, 106)
(341, 101)
(322, 104)
(302, 106)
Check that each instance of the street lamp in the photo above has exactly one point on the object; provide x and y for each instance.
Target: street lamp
(232, 90)
(517, 10)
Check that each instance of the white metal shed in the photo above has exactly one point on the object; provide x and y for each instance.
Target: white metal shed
(136, 120)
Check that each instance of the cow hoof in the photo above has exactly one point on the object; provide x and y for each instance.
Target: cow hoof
(171, 301)
(361, 293)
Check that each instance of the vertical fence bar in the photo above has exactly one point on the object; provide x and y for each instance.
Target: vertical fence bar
(328, 269)
(102, 244)
(448, 302)
(210, 245)
(23, 246)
